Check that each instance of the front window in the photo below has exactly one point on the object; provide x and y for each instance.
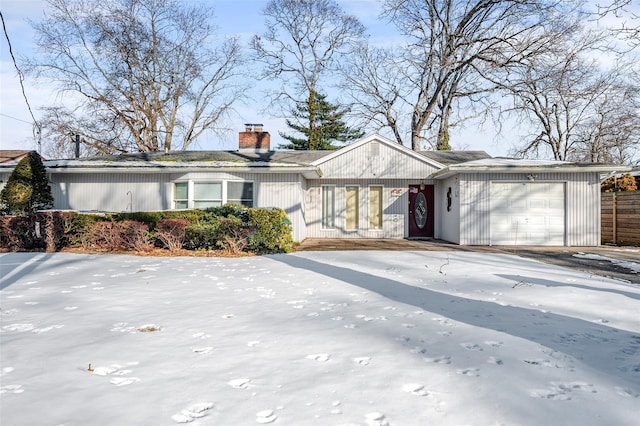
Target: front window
(375, 207)
(353, 206)
(207, 194)
(201, 195)
(328, 207)
(240, 193)
(181, 195)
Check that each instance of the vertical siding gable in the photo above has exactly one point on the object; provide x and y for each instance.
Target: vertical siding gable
(376, 160)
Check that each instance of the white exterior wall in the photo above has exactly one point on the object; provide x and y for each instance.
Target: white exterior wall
(582, 209)
(395, 208)
(108, 192)
(376, 160)
(448, 223)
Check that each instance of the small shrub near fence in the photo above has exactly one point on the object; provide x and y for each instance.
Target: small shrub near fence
(232, 228)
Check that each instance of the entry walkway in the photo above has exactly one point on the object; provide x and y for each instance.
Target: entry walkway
(338, 244)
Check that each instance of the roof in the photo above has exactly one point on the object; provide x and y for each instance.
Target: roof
(454, 157)
(13, 156)
(242, 156)
(514, 165)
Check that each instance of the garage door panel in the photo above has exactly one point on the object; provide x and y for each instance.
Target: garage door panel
(527, 213)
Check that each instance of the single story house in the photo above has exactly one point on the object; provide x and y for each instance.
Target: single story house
(372, 188)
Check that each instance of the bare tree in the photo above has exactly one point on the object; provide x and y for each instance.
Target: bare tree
(141, 73)
(303, 42)
(578, 108)
(628, 17)
(454, 50)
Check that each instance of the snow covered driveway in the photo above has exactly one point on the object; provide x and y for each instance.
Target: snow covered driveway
(315, 338)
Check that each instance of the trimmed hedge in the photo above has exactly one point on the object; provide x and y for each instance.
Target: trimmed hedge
(232, 227)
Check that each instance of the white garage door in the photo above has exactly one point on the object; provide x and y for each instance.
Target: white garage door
(527, 214)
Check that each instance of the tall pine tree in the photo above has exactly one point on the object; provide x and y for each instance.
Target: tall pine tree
(324, 125)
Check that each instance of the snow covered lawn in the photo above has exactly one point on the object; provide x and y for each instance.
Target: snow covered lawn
(315, 338)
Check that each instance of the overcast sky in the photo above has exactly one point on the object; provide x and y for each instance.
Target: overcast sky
(239, 17)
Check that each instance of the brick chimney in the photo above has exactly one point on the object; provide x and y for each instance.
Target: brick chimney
(254, 139)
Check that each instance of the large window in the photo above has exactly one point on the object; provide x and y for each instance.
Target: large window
(328, 207)
(201, 195)
(353, 206)
(375, 207)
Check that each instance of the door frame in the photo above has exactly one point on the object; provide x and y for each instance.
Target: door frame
(428, 229)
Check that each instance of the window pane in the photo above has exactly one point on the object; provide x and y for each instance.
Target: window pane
(375, 207)
(205, 204)
(328, 207)
(352, 207)
(181, 204)
(240, 193)
(181, 190)
(240, 190)
(207, 191)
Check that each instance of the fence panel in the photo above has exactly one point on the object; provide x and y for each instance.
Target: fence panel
(620, 218)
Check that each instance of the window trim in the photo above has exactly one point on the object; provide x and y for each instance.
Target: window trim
(191, 191)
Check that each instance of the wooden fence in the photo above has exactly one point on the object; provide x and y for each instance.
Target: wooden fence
(620, 218)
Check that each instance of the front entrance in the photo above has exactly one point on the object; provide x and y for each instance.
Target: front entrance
(421, 211)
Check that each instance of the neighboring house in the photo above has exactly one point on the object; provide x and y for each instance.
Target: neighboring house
(372, 188)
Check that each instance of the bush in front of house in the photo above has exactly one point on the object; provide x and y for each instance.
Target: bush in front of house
(272, 231)
(233, 228)
(27, 189)
(107, 236)
(171, 233)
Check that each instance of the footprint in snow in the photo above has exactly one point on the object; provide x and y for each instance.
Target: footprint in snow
(239, 383)
(192, 412)
(365, 360)
(494, 360)
(471, 346)
(376, 419)
(471, 372)
(204, 350)
(415, 389)
(319, 357)
(123, 381)
(443, 359)
(266, 416)
(493, 343)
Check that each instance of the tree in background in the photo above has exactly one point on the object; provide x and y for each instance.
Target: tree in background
(328, 127)
(626, 182)
(577, 109)
(454, 51)
(137, 75)
(27, 189)
(303, 43)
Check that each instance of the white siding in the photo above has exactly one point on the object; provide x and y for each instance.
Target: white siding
(582, 205)
(395, 204)
(376, 160)
(448, 221)
(110, 192)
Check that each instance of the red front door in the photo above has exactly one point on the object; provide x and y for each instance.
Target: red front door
(421, 211)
